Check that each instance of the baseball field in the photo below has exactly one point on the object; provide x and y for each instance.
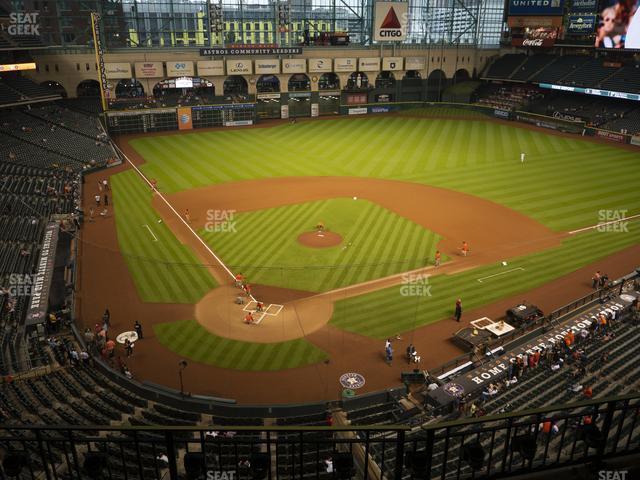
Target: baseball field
(335, 224)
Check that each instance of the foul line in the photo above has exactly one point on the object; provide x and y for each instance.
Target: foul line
(501, 273)
(603, 224)
(155, 239)
(233, 277)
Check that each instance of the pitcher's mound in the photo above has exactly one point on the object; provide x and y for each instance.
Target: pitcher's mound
(320, 239)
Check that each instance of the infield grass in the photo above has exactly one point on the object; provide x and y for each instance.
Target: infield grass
(375, 243)
(189, 339)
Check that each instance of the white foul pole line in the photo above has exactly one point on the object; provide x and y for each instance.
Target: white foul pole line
(619, 220)
(179, 216)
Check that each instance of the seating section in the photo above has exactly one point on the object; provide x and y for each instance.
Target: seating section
(56, 136)
(590, 73)
(507, 97)
(559, 69)
(627, 79)
(15, 88)
(533, 65)
(504, 66)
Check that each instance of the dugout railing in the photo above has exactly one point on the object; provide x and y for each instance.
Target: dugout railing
(469, 448)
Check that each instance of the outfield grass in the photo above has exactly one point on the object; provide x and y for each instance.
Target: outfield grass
(189, 339)
(376, 243)
(387, 312)
(563, 183)
(164, 270)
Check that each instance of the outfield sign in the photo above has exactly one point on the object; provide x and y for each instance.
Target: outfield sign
(117, 71)
(180, 69)
(149, 70)
(613, 136)
(344, 64)
(320, 65)
(392, 64)
(588, 6)
(501, 113)
(239, 67)
(592, 91)
(294, 65)
(358, 111)
(247, 50)
(268, 66)
(635, 140)
(536, 7)
(371, 64)
(581, 24)
(390, 21)
(210, 68)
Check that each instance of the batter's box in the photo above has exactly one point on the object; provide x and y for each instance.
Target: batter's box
(251, 306)
(273, 309)
(258, 316)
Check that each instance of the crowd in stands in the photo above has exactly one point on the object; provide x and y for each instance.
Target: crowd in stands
(507, 97)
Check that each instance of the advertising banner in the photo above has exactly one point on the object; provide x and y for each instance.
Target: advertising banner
(294, 65)
(415, 63)
(358, 111)
(371, 64)
(185, 121)
(380, 109)
(390, 21)
(588, 6)
(501, 113)
(613, 136)
(180, 69)
(344, 64)
(41, 285)
(536, 37)
(117, 71)
(284, 111)
(239, 67)
(581, 24)
(635, 140)
(536, 7)
(315, 109)
(320, 65)
(268, 66)
(210, 68)
(238, 123)
(392, 64)
(149, 70)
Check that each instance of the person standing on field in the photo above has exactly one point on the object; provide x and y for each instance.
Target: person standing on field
(458, 312)
(437, 260)
(522, 157)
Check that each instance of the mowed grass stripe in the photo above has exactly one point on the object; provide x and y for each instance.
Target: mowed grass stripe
(375, 243)
(190, 340)
(164, 271)
(386, 312)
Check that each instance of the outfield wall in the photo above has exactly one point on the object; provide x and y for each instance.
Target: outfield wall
(244, 114)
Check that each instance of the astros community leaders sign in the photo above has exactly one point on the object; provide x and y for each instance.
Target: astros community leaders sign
(206, 52)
